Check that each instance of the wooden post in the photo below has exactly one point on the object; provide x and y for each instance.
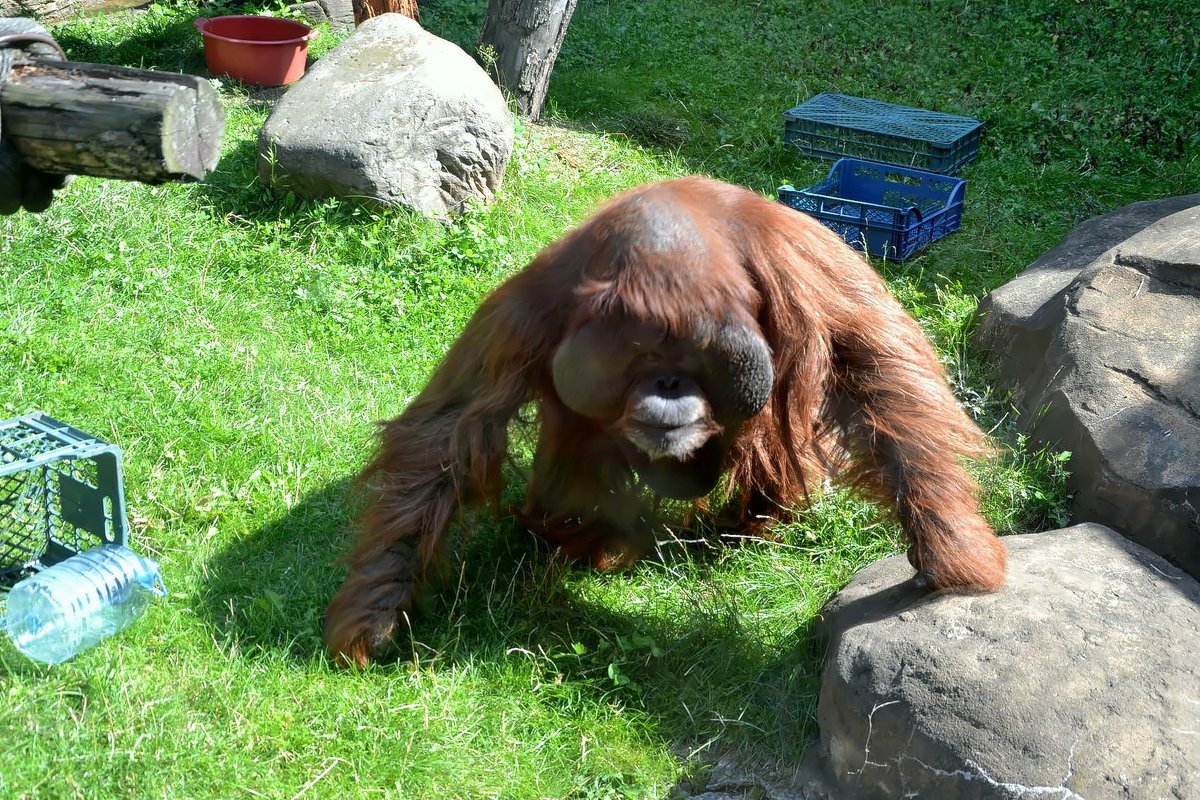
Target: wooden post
(112, 122)
(526, 36)
(365, 9)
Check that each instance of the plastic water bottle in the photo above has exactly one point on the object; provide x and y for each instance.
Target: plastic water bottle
(63, 610)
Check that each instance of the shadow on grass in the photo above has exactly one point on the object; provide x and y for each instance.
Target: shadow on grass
(169, 43)
(707, 682)
(686, 658)
(686, 655)
(266, 591)
(233, 187)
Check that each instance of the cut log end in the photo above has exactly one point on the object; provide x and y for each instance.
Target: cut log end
(193, 126)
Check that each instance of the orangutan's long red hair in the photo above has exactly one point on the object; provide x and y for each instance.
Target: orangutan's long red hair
(654, 284)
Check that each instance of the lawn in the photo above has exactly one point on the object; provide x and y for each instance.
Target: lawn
(240, 346)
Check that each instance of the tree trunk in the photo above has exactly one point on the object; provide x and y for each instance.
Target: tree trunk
(525, 36)
(365, 9)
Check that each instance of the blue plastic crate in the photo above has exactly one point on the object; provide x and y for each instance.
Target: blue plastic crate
(889, 211)
(61, 492)
(836, 125)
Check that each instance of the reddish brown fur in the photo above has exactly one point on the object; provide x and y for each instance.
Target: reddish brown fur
(859, 395)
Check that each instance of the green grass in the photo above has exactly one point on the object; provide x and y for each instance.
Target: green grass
(239, 346)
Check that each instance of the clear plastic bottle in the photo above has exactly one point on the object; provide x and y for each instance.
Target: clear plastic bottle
(63, 610)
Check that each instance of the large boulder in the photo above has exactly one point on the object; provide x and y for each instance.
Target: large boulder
(1078, 680)
(1100, 342)
(392, 116)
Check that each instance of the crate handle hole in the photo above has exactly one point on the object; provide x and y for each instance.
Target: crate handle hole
(108, 518)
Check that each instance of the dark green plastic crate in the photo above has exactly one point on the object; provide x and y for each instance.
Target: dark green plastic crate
(836, 125)
(61, 493)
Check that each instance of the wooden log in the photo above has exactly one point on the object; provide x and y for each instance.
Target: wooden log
(73, 118)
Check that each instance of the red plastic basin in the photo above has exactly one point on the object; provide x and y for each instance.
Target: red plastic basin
(264, 51)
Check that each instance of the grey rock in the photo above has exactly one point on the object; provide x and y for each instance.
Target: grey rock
(1079, 680)
(338, 13)
(1100, 342)
(312, 11)
(43, 10)
(392, 116)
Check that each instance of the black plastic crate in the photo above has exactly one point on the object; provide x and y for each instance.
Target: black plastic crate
(836, 125)
(889, 211)
(61, 493)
